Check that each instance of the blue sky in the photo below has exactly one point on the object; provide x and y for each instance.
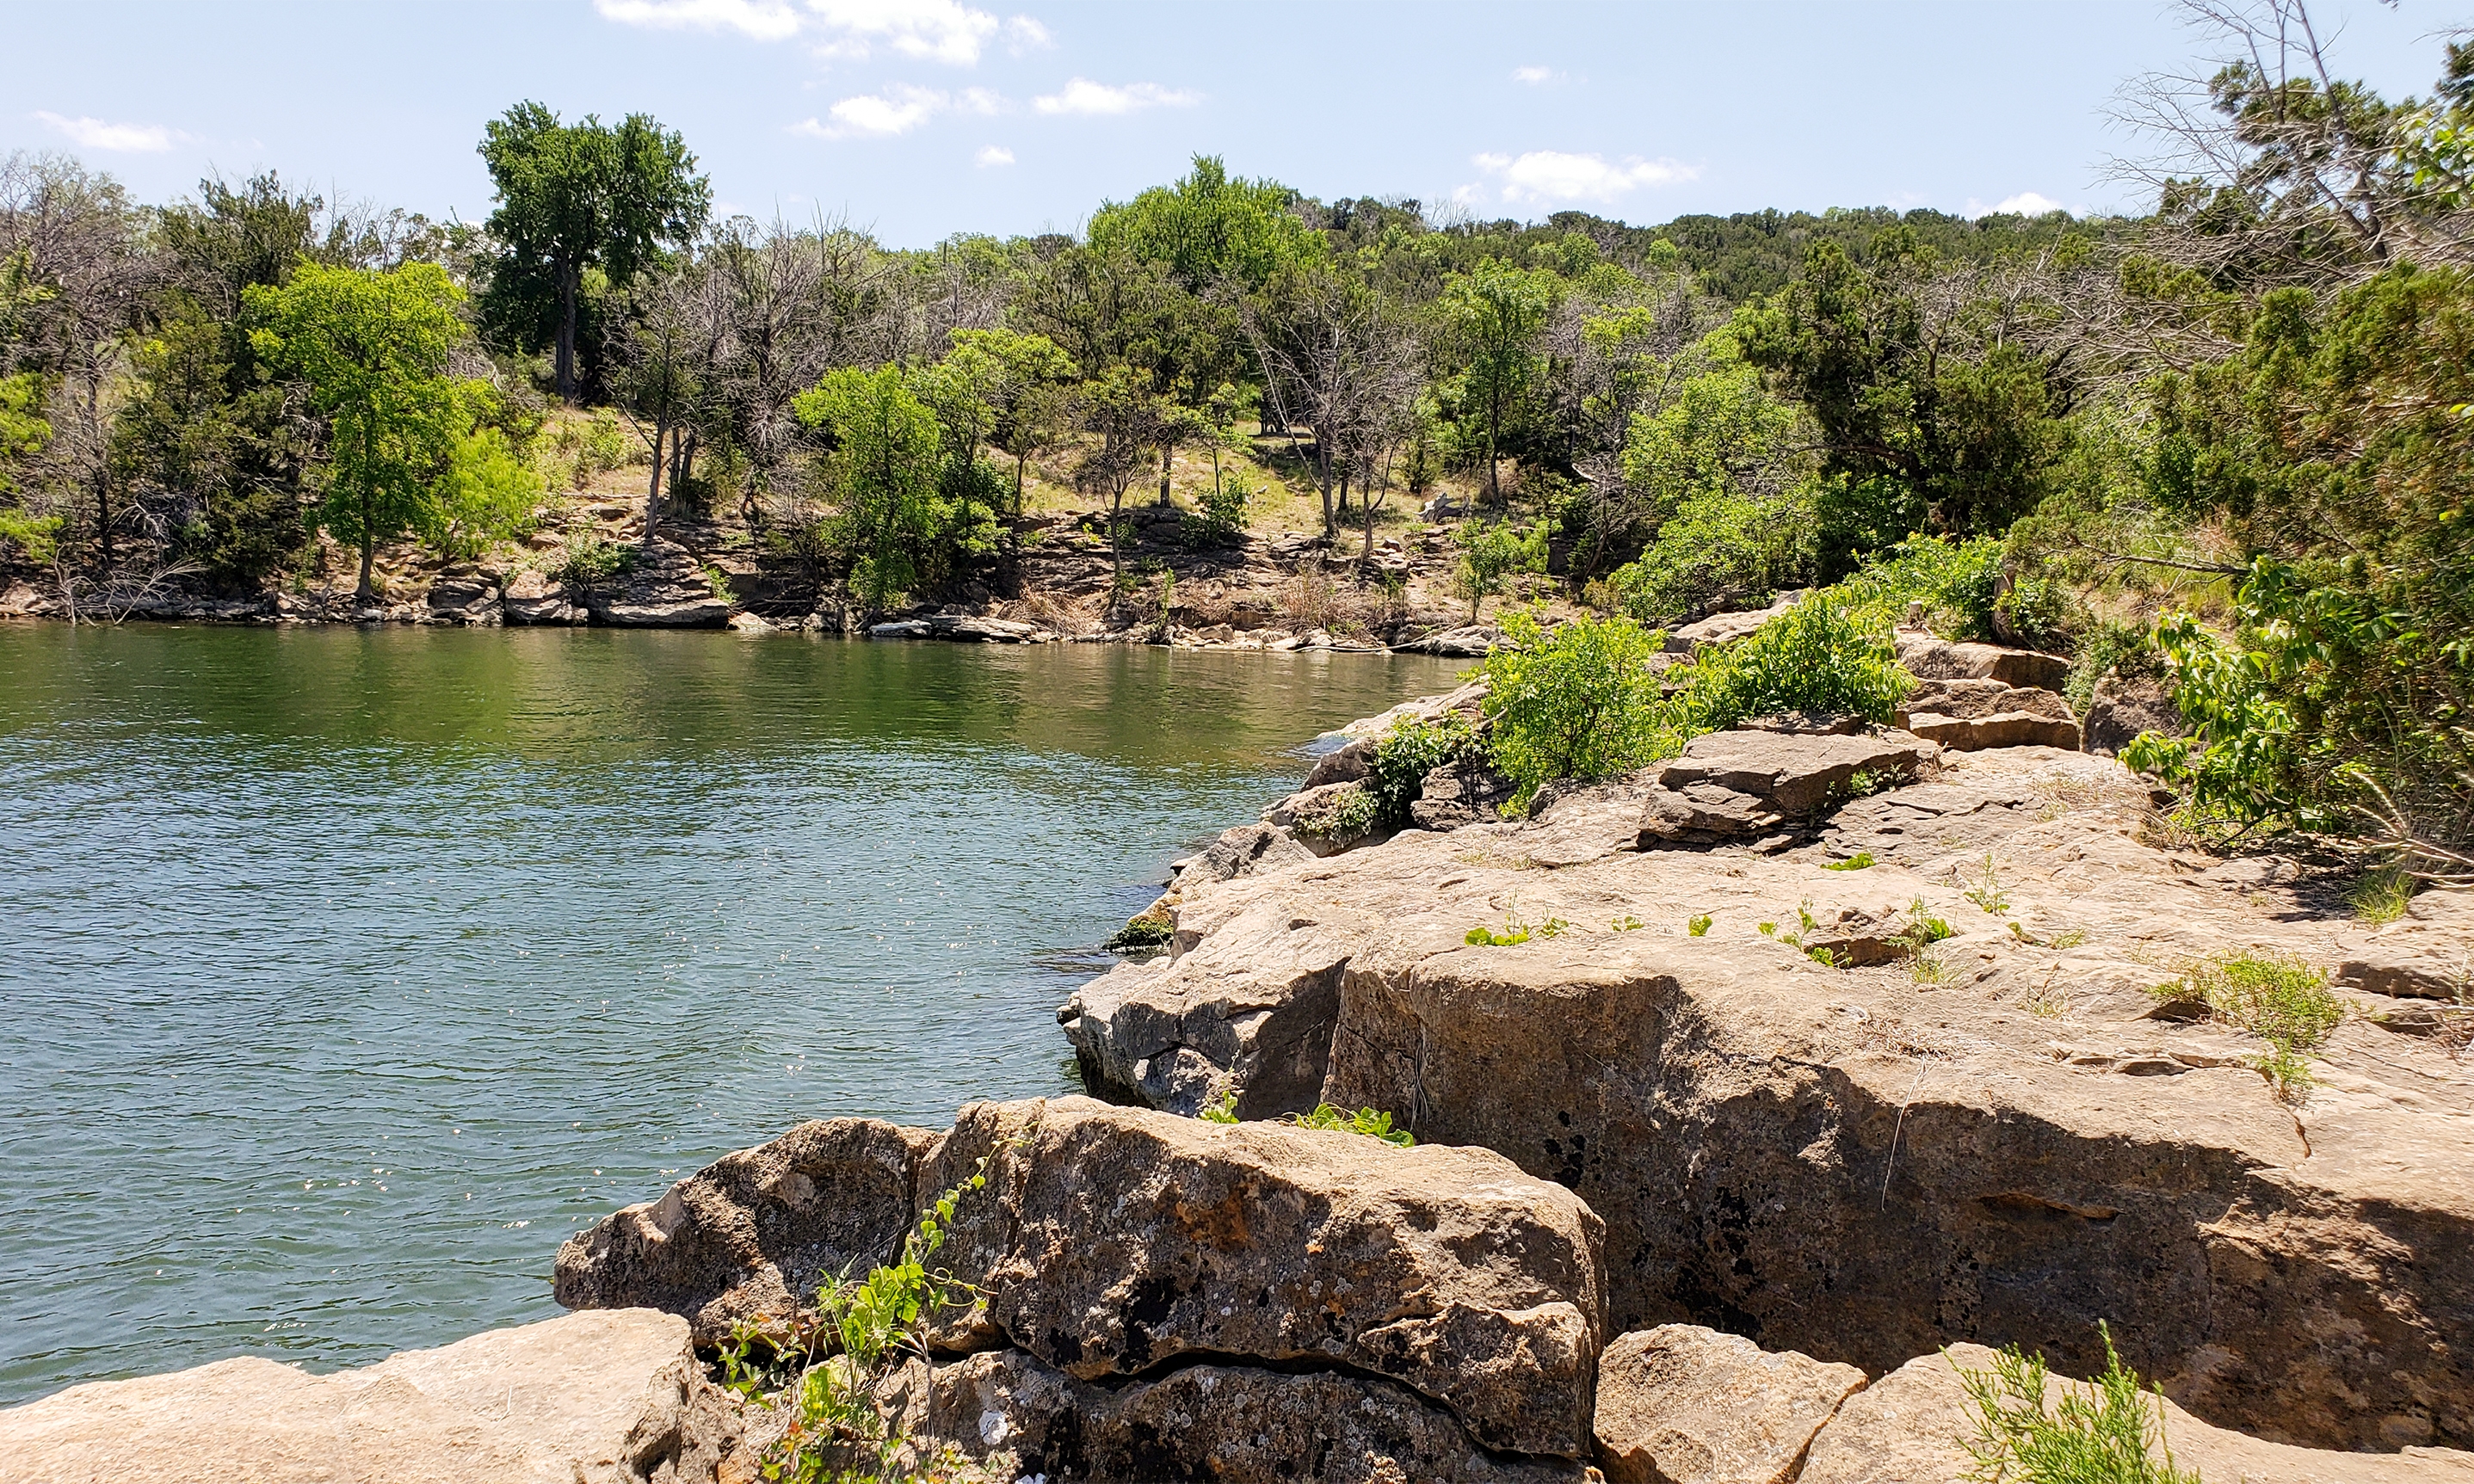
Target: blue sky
(920, 118)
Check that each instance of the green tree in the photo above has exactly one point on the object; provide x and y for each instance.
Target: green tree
(1210, 227)
(883, 471)
(1496, 313)
(1022, 382)
(370, 353)
(1490, 553)
(573, 196)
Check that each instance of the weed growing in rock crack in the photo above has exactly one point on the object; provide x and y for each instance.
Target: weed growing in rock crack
(1365, 1121)
(1396, 774)
(1628, 923)
(862, 1331)
(2281, 998)
(1825, 957)
(2067, 938)
(1929, 967)
(2382, 897)
(1988, 892)
(1484, 937)
(1222, 1109)
(1354, 812)
(2113, 1432)
(1699, 925)
(1859, 861)
(1766, 929)
(1553, 928)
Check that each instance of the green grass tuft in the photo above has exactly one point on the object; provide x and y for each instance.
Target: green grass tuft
(2281, 998)
(2111, 1432)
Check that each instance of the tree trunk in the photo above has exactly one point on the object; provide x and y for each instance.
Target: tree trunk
(1019, 460)
(566, 287)
(653, 495)
(365, 594)
(1166, 451)
(101, 471)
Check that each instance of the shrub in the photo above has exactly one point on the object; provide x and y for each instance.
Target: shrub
(2280, 998)
(1365, 1121)
(1819, 657)
(1957, 582)
(2110, 646)
(2109, 1434)
(1578, 703)
(587, 561)
(1491, 553)
(1721, 543)
(1396, 774)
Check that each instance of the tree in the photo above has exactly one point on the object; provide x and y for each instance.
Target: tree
(1210, 229)
(662, 349)
(1128, 420)
(371, 352)
(1022, 383)
(883, 474)
(1496, 313)
(577, 197)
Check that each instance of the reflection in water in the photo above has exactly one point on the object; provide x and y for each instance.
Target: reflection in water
(346, 971)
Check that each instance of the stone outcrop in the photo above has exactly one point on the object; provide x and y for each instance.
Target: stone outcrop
(2122, 708)
(755, 1232)
(1749, 784)
(1931, 658)
(1727, 628)
(1912, 1426)
(666, 588)
(609, 1397)
(531, 598)
(1970, 715)
(1866, 1162)
(1117, 1245)
(1682, 1404)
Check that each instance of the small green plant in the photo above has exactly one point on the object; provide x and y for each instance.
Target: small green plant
(862, 1331)
(1929, 967)
(1222, 1109)
(1488, 938)
(1578, 703)
(1553, 928)
(1628, 923)
(1396, 776)
(1766, 929)
(1699, 925)
(588, 562)
(2281, 998)
(1988, 892)
(2111, 1432)
(1826, 958)
(2067, 938)
(1859, 861)
(1365, 1121)
(2382, 897)
(1354, 812)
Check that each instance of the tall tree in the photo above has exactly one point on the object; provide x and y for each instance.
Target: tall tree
(1497, 313)
(581, 196)
(372, 353)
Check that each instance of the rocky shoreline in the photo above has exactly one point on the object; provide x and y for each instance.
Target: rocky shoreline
(1755, 1096)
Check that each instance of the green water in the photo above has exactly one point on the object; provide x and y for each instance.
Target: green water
(344, 972)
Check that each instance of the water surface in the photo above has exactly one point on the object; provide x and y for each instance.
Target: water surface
(342, 973)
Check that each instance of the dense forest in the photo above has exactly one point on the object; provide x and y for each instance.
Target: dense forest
(2224, 443)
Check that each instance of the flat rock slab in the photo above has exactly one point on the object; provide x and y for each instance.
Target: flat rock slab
(1682, 1404)
(1931, 658)
(1912, 1426)
(1730, 785)
(610, 1398)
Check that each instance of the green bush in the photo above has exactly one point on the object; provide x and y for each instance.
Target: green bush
(1819, 657)
(1411, 749)
(2112, 1433)
(1959, 583)
(1491, 553)
(1365, 1121)
(1580, 701)
(1721, 543)
(2280, 998)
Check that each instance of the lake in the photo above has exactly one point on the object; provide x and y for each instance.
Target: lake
(344, 972)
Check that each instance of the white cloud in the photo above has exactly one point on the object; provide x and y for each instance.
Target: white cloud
(994, 155)
(945, 31)
(942, 31)
(767, 20)
(897, 109)
(95, 134)
(2029, 203)
(1536, 77)
(1081, 95)
(1549, 177)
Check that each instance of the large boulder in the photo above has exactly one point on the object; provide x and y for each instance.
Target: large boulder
(1913, 1427)
(1745, 784)
(1682, 1404)
(2000, 1142)
(752, 1235)
(1727, 628)
(2123, 706)
(666, 588)
(1229, 1423)
(611, 1397)
(1931, 658)
(1117, 1244)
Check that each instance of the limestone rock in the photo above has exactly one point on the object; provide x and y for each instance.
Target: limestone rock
(1680, 1404)
(2122, 708)
(1930, 657)
(610, 1398)
(1230, 1423)
(453, 593)
(2426, 954)
(1460, 793)
(1347, 763)
(1251, 1007)
(1313, 816)
(901, 629)
(1727, 628)
(1968, 715)
(1469, 641)
(666, 588)
(968, 629)
(1742, 784)
(1912, 1426)
(1128, 1239)
(752, 1235)
(1239, 851)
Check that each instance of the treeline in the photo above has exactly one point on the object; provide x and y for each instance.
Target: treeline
(2224, 443)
